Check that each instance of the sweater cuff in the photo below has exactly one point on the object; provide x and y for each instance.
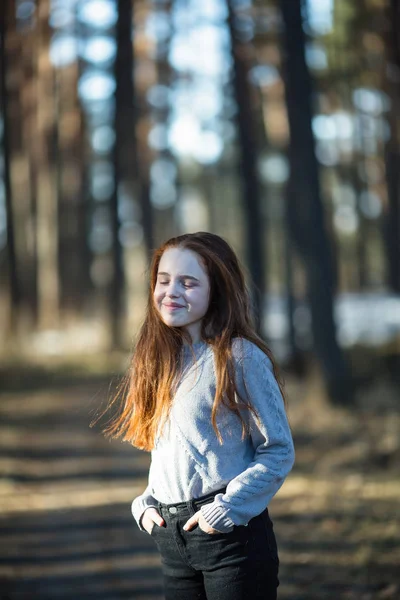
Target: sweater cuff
(139, 505)
(216, 517)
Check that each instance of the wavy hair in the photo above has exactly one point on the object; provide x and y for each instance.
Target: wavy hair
(145, 395)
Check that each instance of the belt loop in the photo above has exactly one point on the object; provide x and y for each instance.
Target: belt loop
(191, 507)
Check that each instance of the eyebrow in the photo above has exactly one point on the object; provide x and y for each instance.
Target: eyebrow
(181, 276)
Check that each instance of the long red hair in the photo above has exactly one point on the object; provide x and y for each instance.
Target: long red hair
(145, 395)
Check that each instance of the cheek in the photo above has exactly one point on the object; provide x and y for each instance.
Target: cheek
(201, 301)
(157, 294)
(206, 305)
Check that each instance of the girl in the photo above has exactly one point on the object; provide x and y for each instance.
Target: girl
(203, 397)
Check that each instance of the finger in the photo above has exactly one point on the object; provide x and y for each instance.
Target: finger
(156, 517)
(159, 520)
(190, 523)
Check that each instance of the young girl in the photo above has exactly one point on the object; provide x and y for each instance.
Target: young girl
(204, 399)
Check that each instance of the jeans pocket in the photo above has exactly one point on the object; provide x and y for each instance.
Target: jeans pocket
(197, 530)
(200, 531)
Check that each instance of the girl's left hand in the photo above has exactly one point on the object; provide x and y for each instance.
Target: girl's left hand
(199, 520)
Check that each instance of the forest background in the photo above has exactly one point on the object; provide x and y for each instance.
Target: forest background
(273, 123)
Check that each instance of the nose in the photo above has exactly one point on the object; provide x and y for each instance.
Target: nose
(172, 290)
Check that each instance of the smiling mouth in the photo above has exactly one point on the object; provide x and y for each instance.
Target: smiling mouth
(173, 306)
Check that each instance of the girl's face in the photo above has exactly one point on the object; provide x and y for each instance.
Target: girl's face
(182, 291)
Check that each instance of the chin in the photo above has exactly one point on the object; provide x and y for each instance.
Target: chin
(173, 322)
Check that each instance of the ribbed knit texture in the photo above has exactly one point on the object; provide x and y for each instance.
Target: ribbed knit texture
(189, 462)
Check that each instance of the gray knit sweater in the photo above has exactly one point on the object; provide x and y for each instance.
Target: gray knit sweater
(188, 461)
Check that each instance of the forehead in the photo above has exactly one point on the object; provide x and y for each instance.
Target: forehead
(181, 261)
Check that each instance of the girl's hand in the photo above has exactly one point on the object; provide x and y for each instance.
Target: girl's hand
(201, 522)
(151, 518)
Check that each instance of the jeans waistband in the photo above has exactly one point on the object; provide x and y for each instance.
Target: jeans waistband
(190, 505)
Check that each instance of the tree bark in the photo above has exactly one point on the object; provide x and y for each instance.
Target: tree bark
(123, 122)
(14, 287)
(305, 210)
(47, 193)
(248, 168)
(392, 153)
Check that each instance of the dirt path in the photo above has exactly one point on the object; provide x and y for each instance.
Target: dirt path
(65, 526)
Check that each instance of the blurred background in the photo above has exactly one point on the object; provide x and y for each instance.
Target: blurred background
(273, 123)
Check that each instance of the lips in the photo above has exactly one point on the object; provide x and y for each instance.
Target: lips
(173, 305)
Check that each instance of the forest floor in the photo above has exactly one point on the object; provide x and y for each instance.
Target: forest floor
(66, 531)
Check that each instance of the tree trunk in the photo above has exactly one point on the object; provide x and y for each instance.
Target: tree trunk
(139, 162)
(392, 153)
(123, 124)
(46, 195)
(248, 168)
(128, 168)
(74, 261)
(305, 210)
(15, 293)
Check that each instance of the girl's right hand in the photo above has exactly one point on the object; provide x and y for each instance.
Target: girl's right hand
(151, 518)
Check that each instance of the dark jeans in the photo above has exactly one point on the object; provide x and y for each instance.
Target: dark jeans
(240, 565)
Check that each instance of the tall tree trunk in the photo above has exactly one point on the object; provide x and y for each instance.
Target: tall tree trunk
(74, 262)
(127, 165)
(304, 207)
(248, 167)
(392, 222)
(392, 152)
(296, 360)
(138, 161)
(46, 195)
(164, 222)
(15, 292)
(123, 122)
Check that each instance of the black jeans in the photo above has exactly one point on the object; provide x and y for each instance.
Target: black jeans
(240, 565)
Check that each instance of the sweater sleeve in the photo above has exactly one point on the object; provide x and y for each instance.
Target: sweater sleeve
(140, 504)
(249, 493)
